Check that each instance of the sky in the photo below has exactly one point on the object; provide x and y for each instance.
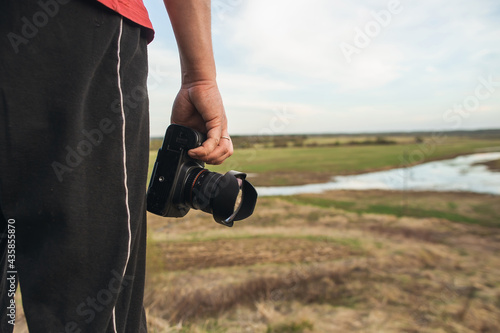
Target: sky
(328, 66)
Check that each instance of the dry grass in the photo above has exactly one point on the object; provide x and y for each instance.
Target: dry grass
(316, 268)
(259, 249)
(311, 284)
(343, 272)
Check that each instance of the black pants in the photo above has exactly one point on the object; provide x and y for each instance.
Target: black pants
(74, 137)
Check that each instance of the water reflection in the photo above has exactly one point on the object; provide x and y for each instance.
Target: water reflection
(457, 174)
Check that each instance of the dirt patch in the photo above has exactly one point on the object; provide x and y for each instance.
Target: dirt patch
(289, 178)
(316, 285)
(491, 165)
(245, 252)
(463, 207)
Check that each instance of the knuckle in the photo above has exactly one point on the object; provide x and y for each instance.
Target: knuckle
(215, 161)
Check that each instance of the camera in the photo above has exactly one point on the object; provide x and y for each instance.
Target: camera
(179, 182)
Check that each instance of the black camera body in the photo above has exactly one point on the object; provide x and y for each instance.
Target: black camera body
(179, 182)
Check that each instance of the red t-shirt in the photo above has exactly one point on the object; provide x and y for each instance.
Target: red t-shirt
(134, 10)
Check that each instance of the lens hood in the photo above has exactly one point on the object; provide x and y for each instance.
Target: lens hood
(224, 202)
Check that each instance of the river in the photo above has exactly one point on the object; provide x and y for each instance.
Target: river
(457, 174)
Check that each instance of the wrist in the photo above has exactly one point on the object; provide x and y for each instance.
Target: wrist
(193, 76)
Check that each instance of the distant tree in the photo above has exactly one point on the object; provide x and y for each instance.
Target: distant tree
(380, 140)
(280, 142)
(298, 141)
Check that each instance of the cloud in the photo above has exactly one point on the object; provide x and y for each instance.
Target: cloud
(303, 38)
(286, 54)
(255, 83)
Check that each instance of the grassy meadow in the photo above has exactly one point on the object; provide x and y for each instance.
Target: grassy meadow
(340, 261)
(319, 162)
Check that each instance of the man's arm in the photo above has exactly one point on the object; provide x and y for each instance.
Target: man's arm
(198, 104)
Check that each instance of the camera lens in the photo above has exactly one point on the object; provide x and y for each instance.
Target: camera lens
(201, 187)
(228, 197)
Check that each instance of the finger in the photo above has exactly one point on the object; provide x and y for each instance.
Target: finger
(210, 144)
(219, 160)
(203, 151)
(221, 153)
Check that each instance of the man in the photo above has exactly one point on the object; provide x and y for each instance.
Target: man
(74, 137)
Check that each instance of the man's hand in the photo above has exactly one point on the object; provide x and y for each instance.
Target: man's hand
(199, 106)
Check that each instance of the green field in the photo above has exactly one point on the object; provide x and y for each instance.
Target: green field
(467, 208)
(294, 166)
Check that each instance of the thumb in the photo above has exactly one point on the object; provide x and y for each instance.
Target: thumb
(212, 141)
